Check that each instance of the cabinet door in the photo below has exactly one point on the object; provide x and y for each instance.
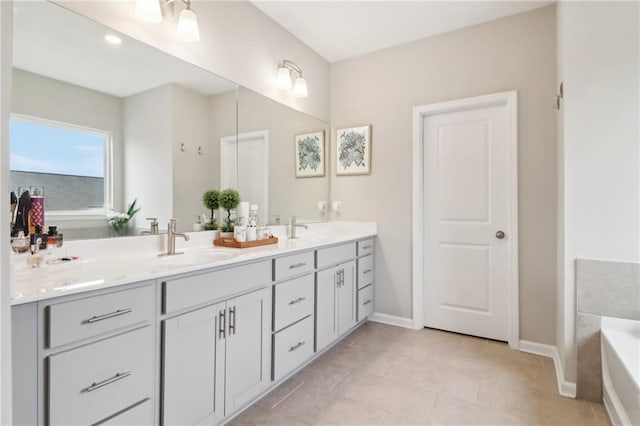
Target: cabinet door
(248, 347)
(193, 349)
(346, 297)
(326, 300)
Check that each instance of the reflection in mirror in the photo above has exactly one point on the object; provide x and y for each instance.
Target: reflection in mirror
(265, 156)
(153, 111)
(289, 187)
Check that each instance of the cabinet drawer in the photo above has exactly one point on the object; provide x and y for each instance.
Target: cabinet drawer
(293, 301)
(334, 255)
(140, 415)
(292, 347)
(295, 264)
(365, 271)
(365, 302)
(92, 316)
(96, 381)
(185, 292)
(365, 247)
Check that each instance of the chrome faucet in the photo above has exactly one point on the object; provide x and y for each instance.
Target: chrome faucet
(292, 228)
(153, 225)
(171, 237)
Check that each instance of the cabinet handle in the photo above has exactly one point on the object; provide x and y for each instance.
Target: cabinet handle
(366, 271)
(296, 346)
(118, 376)
(341, 277)
(117, 313)
(366, 247)
(298, 300)
(367, 302)
(297, 265)
(223, 325)
(232, 321)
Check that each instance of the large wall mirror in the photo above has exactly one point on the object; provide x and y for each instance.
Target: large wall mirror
(100, 119)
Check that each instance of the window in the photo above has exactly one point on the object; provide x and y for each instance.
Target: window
(69, 164)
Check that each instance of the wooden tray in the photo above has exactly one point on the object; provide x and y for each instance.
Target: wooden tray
(231, 242)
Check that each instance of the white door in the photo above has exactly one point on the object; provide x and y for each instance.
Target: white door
(468, 206)
(244, 165)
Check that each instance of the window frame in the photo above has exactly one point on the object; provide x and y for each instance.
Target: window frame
(85, 214)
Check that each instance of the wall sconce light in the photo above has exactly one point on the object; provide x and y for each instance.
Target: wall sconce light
(187, 23)
(283, 80)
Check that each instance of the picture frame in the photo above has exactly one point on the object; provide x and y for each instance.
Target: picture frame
(310, 156)
(353, 151)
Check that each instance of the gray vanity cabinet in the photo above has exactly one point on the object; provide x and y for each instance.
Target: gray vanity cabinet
(366, 270)
(216, 359)
(86, 359)
(335, 303)
(248, 349)
(335, 293)
(193, 349)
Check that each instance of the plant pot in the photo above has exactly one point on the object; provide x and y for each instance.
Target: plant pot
(226, 234)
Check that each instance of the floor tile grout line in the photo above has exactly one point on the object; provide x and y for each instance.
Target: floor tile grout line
(288, 395)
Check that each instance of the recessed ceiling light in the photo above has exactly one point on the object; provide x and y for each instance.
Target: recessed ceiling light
(113, 39)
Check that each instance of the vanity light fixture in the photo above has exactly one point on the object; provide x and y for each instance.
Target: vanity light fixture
(187, 22)
(149, 10)
(283, 80)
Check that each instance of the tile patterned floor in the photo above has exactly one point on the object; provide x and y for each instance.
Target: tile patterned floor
(384, 375)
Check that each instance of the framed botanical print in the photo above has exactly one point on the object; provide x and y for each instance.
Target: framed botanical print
(310, 154)
(353, 151)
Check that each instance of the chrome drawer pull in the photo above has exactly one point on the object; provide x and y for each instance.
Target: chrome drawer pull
(366, 271)
(367, 302)
(223, 325)
(109, 315)
(298, 300)
(118, 376)
(232, 321)
(297, 265)
(296, 346)
(366, 247)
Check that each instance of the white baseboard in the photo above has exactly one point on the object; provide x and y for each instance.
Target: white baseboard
(565, 388)
(391, 320)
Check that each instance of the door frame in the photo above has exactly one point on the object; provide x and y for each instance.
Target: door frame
(510, 101)
(227, 143)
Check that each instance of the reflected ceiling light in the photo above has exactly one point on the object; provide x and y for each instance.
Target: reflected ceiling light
(283, 80)
(187, 22)
(149, 10)
(112, 39)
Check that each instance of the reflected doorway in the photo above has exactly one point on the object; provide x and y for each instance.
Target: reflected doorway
(244, 166)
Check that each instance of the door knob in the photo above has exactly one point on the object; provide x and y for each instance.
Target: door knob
(500, 235)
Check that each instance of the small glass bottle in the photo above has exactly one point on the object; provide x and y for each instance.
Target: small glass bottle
(52, 238)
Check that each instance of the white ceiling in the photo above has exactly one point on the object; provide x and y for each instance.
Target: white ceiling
(343, 29)
(57, 43)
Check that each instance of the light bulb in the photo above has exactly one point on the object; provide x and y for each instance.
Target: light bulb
(188, 26)
(300, 88)
(149, 10)
(283, 81)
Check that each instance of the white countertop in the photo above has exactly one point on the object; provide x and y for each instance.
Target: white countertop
(117, 261)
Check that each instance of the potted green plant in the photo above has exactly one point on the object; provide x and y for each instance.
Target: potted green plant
(211, 200)
(228, 200)
(120, 221)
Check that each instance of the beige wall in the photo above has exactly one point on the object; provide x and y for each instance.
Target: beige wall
(382, 88)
